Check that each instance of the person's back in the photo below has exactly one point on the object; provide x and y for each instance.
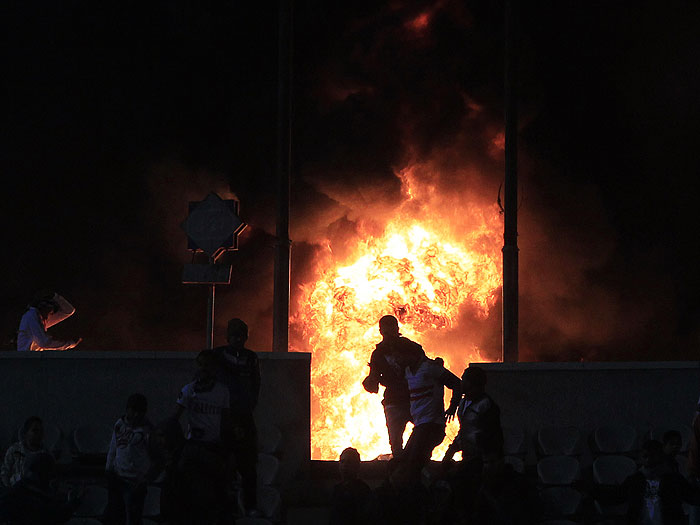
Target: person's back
(351, 497)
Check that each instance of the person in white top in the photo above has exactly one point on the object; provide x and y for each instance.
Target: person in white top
(427, 379)
(46, 309)
(200, 479)
(131, 463)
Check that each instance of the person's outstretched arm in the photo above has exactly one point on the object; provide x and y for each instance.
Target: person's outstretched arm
(65, 310)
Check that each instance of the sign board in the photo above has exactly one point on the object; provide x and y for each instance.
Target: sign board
(206, 274)
(213, 225)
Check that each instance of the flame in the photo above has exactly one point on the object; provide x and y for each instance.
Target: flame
(417, 270)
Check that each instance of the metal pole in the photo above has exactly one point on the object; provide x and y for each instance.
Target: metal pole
(210, 317)
(510, 231)
(280, 307)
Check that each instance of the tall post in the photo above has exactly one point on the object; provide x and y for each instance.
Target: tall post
(210, 316)
(280, 307)
(210, 311)
(510, 230)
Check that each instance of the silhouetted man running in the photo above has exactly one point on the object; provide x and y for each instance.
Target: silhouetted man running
(386, 367)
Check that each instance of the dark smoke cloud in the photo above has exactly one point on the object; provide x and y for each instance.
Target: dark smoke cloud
(112, 136)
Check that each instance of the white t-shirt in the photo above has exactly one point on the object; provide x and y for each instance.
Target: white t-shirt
(204, 411)
(427, 393)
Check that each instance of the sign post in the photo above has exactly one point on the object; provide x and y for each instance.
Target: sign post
(212, 227)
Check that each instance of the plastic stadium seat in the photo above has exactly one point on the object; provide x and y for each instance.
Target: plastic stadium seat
(558, 470)
(613, 470)
(513, 441)
(83, 521)
(268, 467)
(615, 439)
(151, 505)
(92, 439)
(269, 501)
(93, 502)
(560, 502)
(558, 441)
(517, 463)
(269, 439)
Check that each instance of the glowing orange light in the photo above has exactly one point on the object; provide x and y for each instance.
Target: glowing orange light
(418, 270)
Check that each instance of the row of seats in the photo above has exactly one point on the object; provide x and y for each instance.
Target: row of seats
(568, 440)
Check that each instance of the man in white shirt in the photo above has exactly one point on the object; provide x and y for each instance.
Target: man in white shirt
(201, 478)
(44, 311)
(427, 379)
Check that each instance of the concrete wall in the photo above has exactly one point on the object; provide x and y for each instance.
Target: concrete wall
(644, 395)
(74, 388)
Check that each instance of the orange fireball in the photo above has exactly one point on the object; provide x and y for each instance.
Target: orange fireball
(414, 271)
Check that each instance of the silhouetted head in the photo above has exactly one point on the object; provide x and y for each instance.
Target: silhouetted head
(349, 464)
(389, 327)
(237, 333)
(44, 302)
(206, 370)
(651, 454)
(39, 469)
(33, 432)
(136, 407)
(672, 443)
(473, 381)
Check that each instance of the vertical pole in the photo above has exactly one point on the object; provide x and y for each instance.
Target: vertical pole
(210, 316)
(510, 230)
(280, 307)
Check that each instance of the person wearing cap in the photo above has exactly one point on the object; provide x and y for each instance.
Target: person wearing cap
(46, 309)
(386, 367)
(239, 370)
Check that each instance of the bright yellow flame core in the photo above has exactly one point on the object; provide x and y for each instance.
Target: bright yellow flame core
(411, 272)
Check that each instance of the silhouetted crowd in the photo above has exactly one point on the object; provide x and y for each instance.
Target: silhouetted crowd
(207, 471)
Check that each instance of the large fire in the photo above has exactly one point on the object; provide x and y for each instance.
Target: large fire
(419, 270)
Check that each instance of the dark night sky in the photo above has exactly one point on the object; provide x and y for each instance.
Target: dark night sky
(117, 114)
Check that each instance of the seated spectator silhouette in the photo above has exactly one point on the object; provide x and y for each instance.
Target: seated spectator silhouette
(132, 461)
(503, 495)
(479, 418)
(400, 500)
(45, 310)
(672, 443)
(352, 496)
(655, 493)
(201, 469)
(427, 379)
(32, 500)
(31, 437)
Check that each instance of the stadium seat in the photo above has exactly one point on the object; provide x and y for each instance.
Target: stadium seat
(517, 463)
(615, 439)
(560, 502)
(268, 467)
(92, 439)
(93, 502)
(558, 441)
(151, 505)
(269, 439)
(514, 441)
(253, 521)
(558, 470)
(83, 521)
(269, 501)
(612, 470)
